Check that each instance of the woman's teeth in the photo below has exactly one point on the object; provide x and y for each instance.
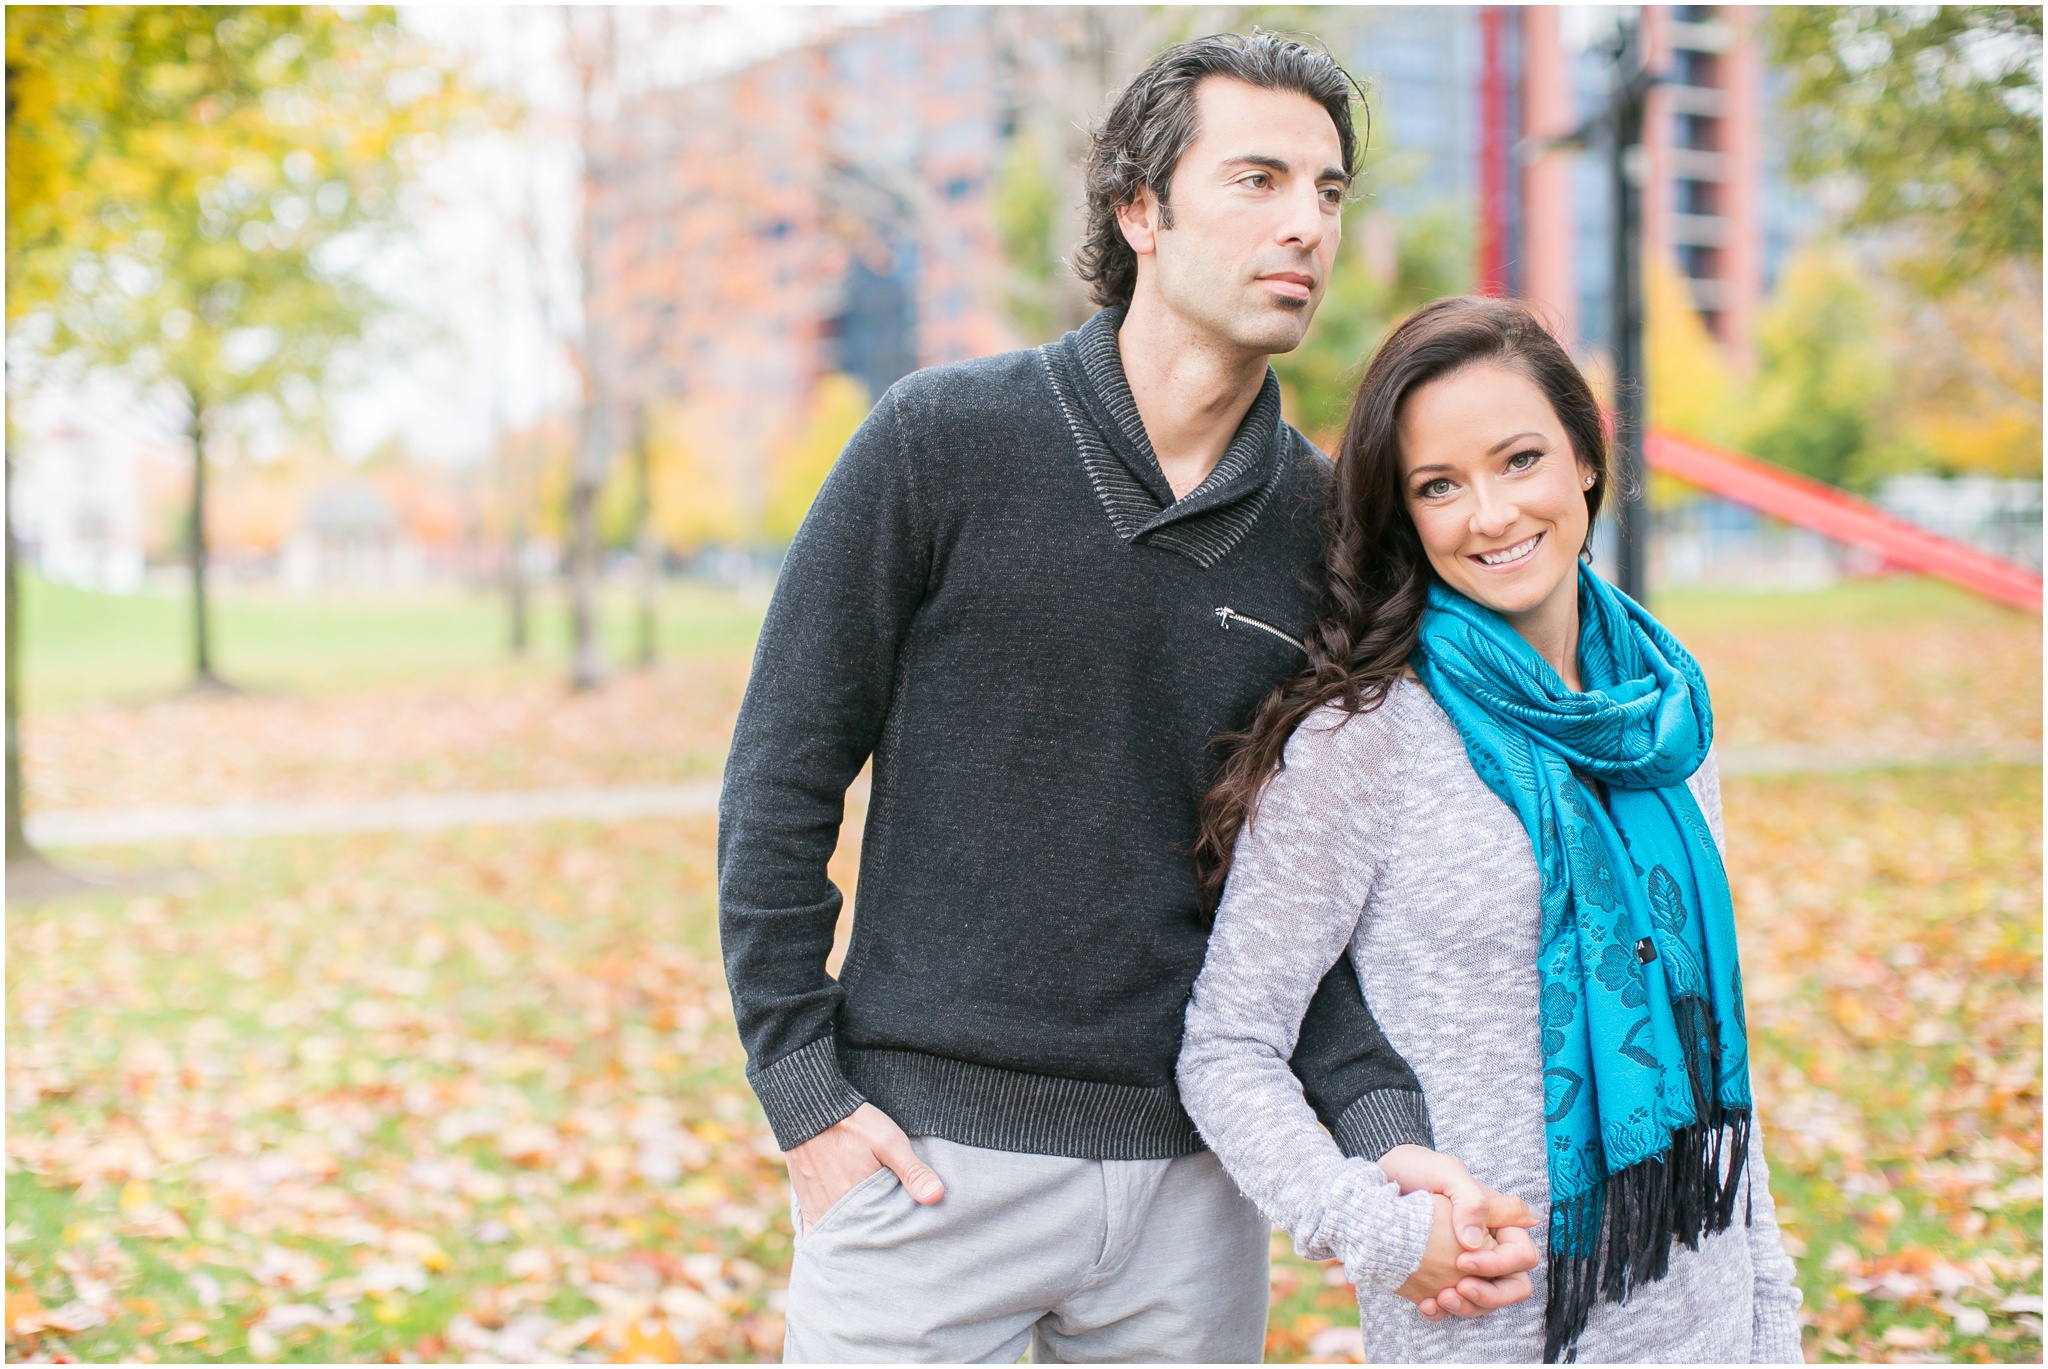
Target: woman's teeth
(1509, 554)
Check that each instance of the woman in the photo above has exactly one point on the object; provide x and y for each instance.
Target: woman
(1492, 786)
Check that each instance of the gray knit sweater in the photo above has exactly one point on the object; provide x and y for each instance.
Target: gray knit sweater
(1378, 836)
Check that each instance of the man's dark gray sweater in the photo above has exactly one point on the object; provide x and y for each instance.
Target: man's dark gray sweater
(997, 598)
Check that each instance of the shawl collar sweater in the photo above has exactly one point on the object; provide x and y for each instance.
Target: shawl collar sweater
(996, 600)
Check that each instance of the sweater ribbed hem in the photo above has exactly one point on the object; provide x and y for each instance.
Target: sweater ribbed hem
(1383, 1119)
(1776, 1338)
(804, 1092)
(1036, 1114)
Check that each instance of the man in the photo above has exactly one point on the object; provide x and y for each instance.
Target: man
(1010, 596)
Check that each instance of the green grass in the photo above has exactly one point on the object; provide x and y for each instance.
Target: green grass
(1852, 603)
(79, 647)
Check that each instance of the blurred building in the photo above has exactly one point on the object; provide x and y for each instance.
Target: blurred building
(831, 207)
(78, 506)
(837, 207)
(350, 536)
(2002, 517)
(826, 209)
(1708, 189)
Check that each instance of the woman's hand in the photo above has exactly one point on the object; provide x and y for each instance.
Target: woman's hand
(1452, 1280)
(1474, 1206)
(1479, 1253)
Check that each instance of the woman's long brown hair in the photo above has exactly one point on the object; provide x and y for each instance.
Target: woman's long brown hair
(1376, 575)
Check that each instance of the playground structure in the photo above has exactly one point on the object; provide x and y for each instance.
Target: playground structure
(1842, 517)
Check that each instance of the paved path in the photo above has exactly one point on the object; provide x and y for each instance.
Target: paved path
(405, 813)
(698, 798)
(1824, 760)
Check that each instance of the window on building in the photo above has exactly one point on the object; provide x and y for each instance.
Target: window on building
(958, 188)
(1693, 68)
(1697, 131)
(874, 336)
(1697, 262)
(1696, 197)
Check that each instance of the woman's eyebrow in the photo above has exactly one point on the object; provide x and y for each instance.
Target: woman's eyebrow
(1509, 441)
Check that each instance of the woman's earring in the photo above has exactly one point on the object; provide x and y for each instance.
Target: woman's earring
(1589, 482)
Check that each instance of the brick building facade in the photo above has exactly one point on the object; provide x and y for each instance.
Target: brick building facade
(832, 208)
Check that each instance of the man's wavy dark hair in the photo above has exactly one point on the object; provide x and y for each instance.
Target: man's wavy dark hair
(1153, 122)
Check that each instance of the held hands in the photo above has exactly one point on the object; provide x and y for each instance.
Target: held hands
(1479, 1252)
(825, 1168)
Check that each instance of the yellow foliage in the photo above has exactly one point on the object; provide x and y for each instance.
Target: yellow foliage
(1971, 443)
(697, 502)
(1824, 385)
(838, 405)
(175, 173)
(1691, 389)
(1971, 382)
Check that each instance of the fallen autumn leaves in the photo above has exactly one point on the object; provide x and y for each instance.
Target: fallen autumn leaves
(454, 1103)
(474, 1095)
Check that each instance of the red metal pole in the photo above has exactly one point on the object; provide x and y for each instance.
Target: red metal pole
(1493, 152)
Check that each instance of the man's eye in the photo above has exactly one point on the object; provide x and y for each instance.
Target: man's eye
(1258, 180)
(1332, 195)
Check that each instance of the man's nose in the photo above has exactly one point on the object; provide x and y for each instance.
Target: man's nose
(1305, 223)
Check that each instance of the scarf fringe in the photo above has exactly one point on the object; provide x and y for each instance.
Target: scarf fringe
(1617, 1236)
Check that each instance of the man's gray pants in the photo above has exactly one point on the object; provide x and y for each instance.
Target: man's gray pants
(1075, 1260)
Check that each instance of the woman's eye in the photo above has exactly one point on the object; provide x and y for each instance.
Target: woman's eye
(1522, 461)
(1435, 489)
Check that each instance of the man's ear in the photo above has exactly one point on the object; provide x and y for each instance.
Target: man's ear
(1139, 221)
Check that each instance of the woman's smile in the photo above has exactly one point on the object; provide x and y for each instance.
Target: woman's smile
(1510, 557)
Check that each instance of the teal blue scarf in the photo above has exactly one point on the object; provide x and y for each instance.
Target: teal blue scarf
(1645, 1058)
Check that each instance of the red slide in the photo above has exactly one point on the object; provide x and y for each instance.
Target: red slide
(1843, 517)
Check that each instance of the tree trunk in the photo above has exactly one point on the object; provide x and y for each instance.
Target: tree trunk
(31, 878)
(515, 582)
(18, 849)
(586, 651)
(30, 875)
(595, 66)
(647, 543)
(204, 680)
(586, 657)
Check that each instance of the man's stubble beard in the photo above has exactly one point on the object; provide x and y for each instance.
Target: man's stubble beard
(1282, 326)
(1245, 322)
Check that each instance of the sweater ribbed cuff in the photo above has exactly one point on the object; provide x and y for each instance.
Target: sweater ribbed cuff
(1381, 1120)
(1394, 1252)
(803, 1093)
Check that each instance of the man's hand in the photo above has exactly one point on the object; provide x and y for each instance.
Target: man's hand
(825, 1168)
(1488, 1227)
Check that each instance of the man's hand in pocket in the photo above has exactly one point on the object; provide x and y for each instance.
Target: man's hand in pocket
(825, 1168)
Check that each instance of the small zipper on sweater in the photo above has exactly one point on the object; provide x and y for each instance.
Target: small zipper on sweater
(1224, 617)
